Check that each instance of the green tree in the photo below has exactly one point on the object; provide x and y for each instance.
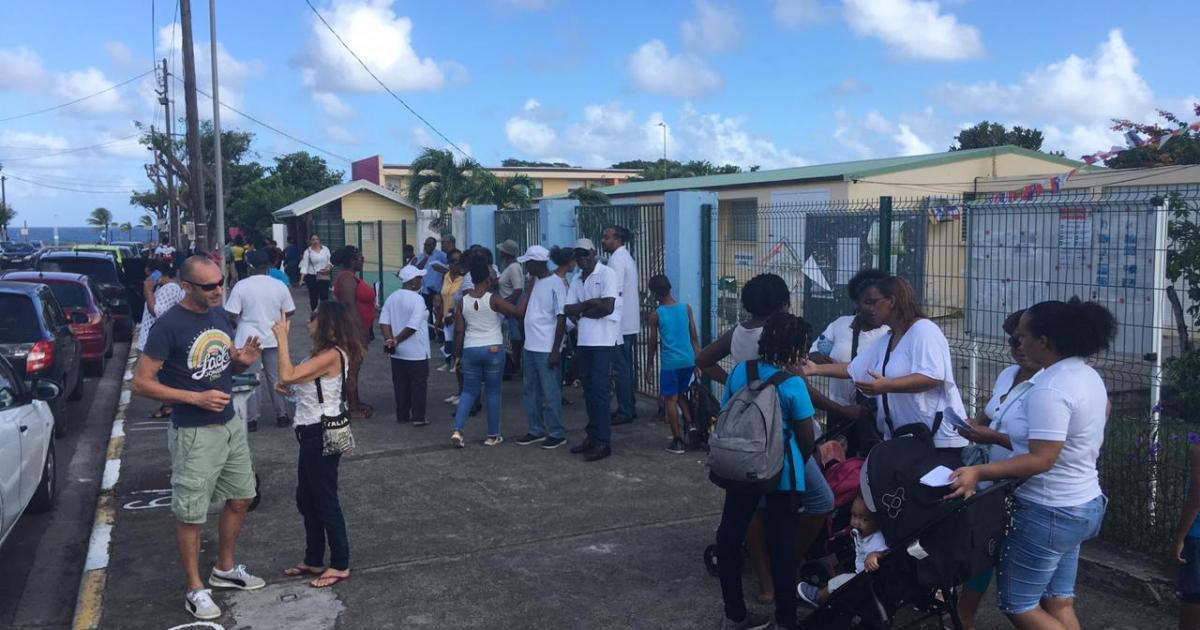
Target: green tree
(990, 134)
(127, 228)
(100, 218)
(514, 162)
(670, 169)
(147, 221)
(590, 197)
(7, 215)
(439, 181)
(505, 192)
(293, 177)
(1181, 149)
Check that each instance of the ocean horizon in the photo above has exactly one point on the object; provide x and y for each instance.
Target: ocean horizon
(79, 234)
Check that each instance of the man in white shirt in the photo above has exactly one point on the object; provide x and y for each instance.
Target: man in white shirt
(256, 302)
(164, 251)
(512, 284)
(613, 240)
(404, 323)
(545, 325)
(594, 300)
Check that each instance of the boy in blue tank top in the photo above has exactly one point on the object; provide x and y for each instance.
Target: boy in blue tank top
(673, 335)
(1185, 547)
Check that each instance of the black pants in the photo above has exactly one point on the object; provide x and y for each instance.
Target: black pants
(318, 290)
(410, 380)
(317, 500)
(293, 273)
(780, 523)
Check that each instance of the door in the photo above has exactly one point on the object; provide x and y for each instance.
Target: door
(35, 426)
(11, 420)
(65, 342)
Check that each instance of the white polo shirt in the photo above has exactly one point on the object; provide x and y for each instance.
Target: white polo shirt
(546, 301)
(602, 283)
(257, 301)
(406, 309)
(627, 276)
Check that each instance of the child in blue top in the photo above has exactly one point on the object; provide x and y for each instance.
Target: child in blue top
(1185, 548)
(673, 334)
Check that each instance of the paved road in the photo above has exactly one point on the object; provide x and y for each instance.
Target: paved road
(56, 542)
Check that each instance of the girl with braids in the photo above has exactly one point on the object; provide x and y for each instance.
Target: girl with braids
(782, 345)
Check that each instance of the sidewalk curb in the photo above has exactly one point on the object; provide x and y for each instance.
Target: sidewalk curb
(89, 603)
(1122, 572)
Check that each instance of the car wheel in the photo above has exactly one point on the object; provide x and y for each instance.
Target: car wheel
(77, 391)
(43, 497)
(94, 368)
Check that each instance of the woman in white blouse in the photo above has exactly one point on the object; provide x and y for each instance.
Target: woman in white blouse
(1056, 439)
(316, 270)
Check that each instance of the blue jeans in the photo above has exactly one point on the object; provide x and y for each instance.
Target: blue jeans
(623, 375)
(1041, 555)
(817, 496)
(595, 369)
(542, 394)
(483, 365)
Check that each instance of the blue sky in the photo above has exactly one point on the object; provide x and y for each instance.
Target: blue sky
(769, 82)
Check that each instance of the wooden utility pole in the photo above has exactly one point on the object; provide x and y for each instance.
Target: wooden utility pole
(218, 157)
(172, 206)
(195, 161)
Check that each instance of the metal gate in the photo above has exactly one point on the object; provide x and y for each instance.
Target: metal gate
(519, 225)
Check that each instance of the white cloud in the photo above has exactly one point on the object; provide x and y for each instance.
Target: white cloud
(909, 143)
(914, 28)
(23, 70)
(527, 133)
(653, 69)
(724, 140)
(875, 135)
(714, 28)
(384, 42)
(79, 83)
(339, 134)
(118, 52)
(1095, 88)
(798, 13)
(332, 105)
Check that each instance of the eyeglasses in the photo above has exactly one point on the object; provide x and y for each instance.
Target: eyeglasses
(208, 288)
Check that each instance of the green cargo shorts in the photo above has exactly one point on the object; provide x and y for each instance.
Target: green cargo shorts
(208, 463)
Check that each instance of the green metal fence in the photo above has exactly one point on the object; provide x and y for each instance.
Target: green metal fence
(382, 247)
(518, 225)
(646, 245)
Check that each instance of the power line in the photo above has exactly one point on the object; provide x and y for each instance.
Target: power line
(76, 190)
(380, 82)
(61, 151)
(275, 129)
(78, 100)
(65, 180)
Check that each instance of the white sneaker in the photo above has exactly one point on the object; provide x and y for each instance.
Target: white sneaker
(200, 603)
(442, 367)
(453, 400)
(237, 577)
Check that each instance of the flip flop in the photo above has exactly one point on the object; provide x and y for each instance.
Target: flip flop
(333, 579)
(300, 569)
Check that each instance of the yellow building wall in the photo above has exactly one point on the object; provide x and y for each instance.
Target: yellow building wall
(554, 187)
(370, 208)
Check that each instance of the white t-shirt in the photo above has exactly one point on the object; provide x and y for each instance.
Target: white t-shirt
(1004, 407)
(164, 250)
(743, 343)
(406, 309)
(546, 301)
(602, 282)
(839, 332)
(314, 262)
(512, 279)
(627, 276)
(257, 301)
(864, 545)
(922, 350)
(1068, 404)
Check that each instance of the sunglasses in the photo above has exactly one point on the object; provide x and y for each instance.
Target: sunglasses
(209, 288)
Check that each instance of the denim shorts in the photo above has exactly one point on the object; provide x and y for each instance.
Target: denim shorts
(817, 496)
(1041, 555)
(674, 382)
(1188, 585)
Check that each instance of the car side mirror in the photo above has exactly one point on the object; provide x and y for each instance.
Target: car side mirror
(78, 318)
(45, 389)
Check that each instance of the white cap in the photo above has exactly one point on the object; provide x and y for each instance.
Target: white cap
(585, 243)
(409, 272)
(535, 252)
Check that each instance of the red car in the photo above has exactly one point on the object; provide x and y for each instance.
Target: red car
(77, 293)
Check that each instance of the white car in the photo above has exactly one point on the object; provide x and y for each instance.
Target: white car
(27, 467)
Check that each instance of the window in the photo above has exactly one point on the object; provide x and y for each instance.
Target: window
(367, 230)
(743, 216)
(8, 389)
(18, 319)
(572, 184)
(70, 294)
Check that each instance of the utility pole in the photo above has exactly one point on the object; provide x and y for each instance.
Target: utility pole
(218, 157)
(172, 207)
(195, 161)
(3, 200)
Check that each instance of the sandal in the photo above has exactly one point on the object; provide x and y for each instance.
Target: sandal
(326, 581)
(163, 412)
(303, 569)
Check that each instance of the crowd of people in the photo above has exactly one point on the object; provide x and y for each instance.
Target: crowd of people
(887, 366)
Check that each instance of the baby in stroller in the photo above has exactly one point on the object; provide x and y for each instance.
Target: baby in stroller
(869, 546)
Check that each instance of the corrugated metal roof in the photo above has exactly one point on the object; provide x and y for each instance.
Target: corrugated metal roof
(841, 171)
(322, 197)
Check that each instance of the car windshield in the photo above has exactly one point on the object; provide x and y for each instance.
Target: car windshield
(70, 294)
(102, 271)
(18, 319)
(23, 248)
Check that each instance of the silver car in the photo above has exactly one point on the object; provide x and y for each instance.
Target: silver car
(27, 466)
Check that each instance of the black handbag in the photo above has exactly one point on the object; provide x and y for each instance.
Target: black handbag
(336, 437)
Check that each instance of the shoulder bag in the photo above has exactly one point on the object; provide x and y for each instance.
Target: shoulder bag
(335, 430)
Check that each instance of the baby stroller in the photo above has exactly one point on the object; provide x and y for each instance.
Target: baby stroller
(934, 545)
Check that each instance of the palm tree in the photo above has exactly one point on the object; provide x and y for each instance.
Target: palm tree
(7, 215)
(439, 181)
(100, 218)
(147, 222)
(590, 197)
(507, 192)
(127, 228)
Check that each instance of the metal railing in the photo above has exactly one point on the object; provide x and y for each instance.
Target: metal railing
(518, 225)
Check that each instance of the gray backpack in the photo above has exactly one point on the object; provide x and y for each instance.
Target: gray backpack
(747, 447)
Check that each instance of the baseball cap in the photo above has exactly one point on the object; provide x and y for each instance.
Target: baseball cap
(509, 247)
(409, 272)
(584, 243)
(535, 252)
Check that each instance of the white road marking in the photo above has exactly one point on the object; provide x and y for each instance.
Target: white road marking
(97, 555)
(112, 471)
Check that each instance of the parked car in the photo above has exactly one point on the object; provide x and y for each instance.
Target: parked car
(16, 255)
(102, 269)
(36, 338)
(27, 466)
(131, 268)
(77, 293)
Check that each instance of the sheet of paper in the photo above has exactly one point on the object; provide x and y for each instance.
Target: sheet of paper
(937, 477)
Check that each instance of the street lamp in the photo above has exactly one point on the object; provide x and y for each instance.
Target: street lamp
(664, 128)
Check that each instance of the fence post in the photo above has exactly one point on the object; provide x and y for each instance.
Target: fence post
(404, 240)
(379, 253)
(481, 227)
(682, 243)
(885, 234)
(556, 222)
(359, 224)
(708, 299)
